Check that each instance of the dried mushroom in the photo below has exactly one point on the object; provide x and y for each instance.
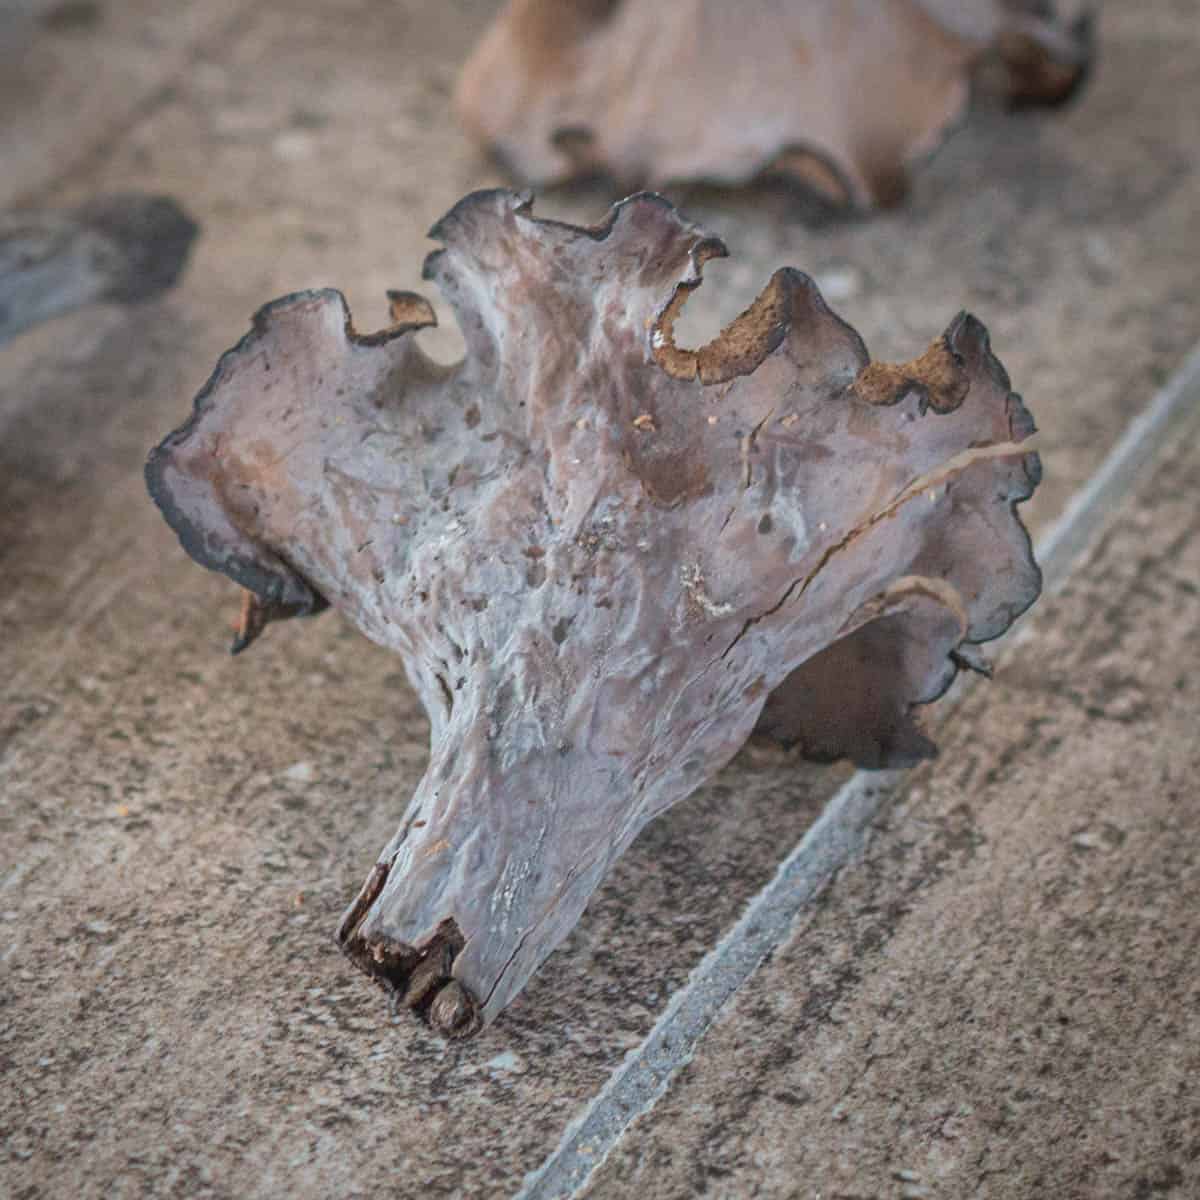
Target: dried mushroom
(839, 94)
(604, 558)
(123, 248)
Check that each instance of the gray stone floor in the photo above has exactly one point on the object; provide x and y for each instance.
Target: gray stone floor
(996, 1002)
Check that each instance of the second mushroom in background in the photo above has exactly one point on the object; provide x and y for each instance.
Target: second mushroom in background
(839, 94)
(120, 248)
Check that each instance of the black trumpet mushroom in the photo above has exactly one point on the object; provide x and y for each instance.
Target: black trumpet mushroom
(605, 560)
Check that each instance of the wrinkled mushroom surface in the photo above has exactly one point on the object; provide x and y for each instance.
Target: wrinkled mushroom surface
(840, 94)
(604, 558)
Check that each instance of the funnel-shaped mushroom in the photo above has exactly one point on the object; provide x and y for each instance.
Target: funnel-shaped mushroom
(603, 558)
(841, 94)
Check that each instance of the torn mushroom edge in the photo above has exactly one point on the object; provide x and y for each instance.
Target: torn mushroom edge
(1077, 46)
(253, 578)
(1021, 427)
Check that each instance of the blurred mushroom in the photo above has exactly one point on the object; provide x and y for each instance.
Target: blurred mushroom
(838, 94)
(125, 248)
(604, 558)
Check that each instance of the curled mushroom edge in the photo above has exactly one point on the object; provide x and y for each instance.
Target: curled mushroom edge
(606, 560)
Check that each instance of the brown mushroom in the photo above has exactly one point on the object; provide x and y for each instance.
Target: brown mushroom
(604, 558)
(839, 94)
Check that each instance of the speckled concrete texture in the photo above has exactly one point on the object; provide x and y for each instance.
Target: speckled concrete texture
(1001, 999)
(179, 831)
(77, 75)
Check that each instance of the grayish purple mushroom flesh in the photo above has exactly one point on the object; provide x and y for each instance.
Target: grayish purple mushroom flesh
(605, 560)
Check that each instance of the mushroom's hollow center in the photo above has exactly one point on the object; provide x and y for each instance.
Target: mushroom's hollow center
(858, 697)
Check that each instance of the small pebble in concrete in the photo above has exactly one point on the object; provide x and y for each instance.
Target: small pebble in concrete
(506, 1062)
(840, 283)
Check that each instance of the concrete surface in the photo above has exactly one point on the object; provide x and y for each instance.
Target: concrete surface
(179, 831)
(1001, 999)
(77, 75)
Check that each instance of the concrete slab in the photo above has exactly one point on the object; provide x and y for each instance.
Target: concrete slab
(179, 832)
(999, 1000)
(75, 75)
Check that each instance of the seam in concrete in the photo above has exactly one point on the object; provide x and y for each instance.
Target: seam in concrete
(834, 840)
(1091, 505)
